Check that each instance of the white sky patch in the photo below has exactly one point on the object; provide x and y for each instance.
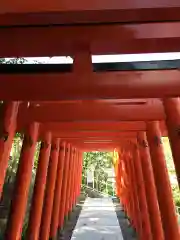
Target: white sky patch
(50, 60)
(108, 58)
(135, 57)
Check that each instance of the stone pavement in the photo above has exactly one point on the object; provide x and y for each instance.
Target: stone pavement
(97, 221)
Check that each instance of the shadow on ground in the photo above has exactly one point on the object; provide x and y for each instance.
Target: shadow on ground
(127, 231)
(72, 219)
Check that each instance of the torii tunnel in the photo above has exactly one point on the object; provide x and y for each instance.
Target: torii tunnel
(85, 106)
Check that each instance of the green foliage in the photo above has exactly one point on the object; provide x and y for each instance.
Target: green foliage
(12, 61)
(110, 189)
(10, 179)
(99, 159)
(36, 157)
(171, 171)
(98, 162)
(176, 197)
(14, 158)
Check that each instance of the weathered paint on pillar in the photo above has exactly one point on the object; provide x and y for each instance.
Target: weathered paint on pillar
(39, 188)
(146, 234)
(7, 131)
(163, 187)
(172, 111)
(57, 194)
(151, 195)
(64, 186)
(23, 179)
(49, 192)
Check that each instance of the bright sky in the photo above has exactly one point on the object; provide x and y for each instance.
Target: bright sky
(111, 58)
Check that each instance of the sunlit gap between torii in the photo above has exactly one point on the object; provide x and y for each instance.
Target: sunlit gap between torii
(106, 58)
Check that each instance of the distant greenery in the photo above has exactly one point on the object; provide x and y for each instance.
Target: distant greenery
(172, 173)
(99, 162)
(12, 61)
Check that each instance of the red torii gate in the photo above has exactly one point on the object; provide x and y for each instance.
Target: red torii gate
(83, 110)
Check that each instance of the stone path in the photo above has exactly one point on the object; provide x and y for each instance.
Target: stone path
(97, 221)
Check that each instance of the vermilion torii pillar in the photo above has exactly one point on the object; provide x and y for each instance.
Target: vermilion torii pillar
(23, 179)
(163, 187)
(64, 186)
(138, 219)
(124, 183)
(151, 196)
(135, 211)
(49, 192)
(57, 194)
(72, 189)
(121, 180)
(7, 131)
(77, 183)
(146, 228)
(116, 169)
(172, 111)
(39, 188)
(130, 199)
(80, 156)
(118, 175)
(69, 182)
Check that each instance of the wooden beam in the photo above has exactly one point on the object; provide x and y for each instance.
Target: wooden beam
(94, 148)
(91, 112)
(100, 147)
(97, 139)
(123, 84)
(67, 40)
(65, 11)
(113, 126)
(91, 135)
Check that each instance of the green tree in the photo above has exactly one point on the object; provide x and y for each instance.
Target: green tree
(99, 162)
(12, 60)
(172, 172)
